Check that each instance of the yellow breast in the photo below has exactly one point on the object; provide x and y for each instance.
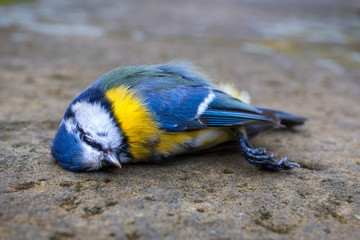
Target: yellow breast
(135, 121)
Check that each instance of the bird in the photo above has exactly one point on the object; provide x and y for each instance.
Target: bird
(150, 113)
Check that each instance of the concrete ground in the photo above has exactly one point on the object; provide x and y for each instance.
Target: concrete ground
(298, 56)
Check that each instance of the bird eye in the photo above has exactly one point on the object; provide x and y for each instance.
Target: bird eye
(91, 143)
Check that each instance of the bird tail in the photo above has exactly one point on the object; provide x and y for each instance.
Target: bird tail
(283, 119)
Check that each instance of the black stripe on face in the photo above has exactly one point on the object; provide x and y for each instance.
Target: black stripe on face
(84, 137)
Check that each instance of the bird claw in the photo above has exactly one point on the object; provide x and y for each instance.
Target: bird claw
(262, 158)
(281, 164)
(257, 151)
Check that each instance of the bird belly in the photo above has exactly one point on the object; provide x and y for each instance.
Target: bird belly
(185, 142)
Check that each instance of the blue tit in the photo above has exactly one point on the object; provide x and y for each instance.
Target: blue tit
(152, 112)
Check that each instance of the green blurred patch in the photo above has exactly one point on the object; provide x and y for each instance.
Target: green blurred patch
(4, 137)
(13, 126)
(12, 2)
(59, 76)
(19, 144)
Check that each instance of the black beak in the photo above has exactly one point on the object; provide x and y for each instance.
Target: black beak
(112, 159)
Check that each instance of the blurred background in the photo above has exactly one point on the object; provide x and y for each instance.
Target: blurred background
(232, 40)
(300, 56)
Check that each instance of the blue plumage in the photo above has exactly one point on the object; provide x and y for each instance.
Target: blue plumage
(223, 118)
(176, 108)
(66, 149)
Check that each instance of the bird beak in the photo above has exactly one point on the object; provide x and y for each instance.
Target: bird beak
(112, 159)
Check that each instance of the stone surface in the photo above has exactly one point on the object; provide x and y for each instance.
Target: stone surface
(298, 56)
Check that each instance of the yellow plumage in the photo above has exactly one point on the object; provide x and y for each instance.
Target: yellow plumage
(134, 119)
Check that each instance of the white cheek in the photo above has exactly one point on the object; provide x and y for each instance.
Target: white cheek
(112, 140)
(91, 157)
(94, 119)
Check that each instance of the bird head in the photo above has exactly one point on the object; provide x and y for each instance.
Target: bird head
(88, 138)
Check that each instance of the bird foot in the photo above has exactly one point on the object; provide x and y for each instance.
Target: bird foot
(263, 158)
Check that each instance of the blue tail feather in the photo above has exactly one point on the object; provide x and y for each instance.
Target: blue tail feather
(223, 118)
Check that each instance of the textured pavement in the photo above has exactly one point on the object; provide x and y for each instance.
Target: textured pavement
(299, 56)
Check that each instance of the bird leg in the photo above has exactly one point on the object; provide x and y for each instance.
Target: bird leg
(261, 157)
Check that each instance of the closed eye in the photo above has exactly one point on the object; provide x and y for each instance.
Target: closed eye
(88, 141)
(92, 143)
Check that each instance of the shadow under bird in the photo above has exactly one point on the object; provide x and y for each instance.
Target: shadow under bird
(152, 112)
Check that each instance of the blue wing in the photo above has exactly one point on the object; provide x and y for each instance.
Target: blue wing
(176, 108)
(185, 108)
